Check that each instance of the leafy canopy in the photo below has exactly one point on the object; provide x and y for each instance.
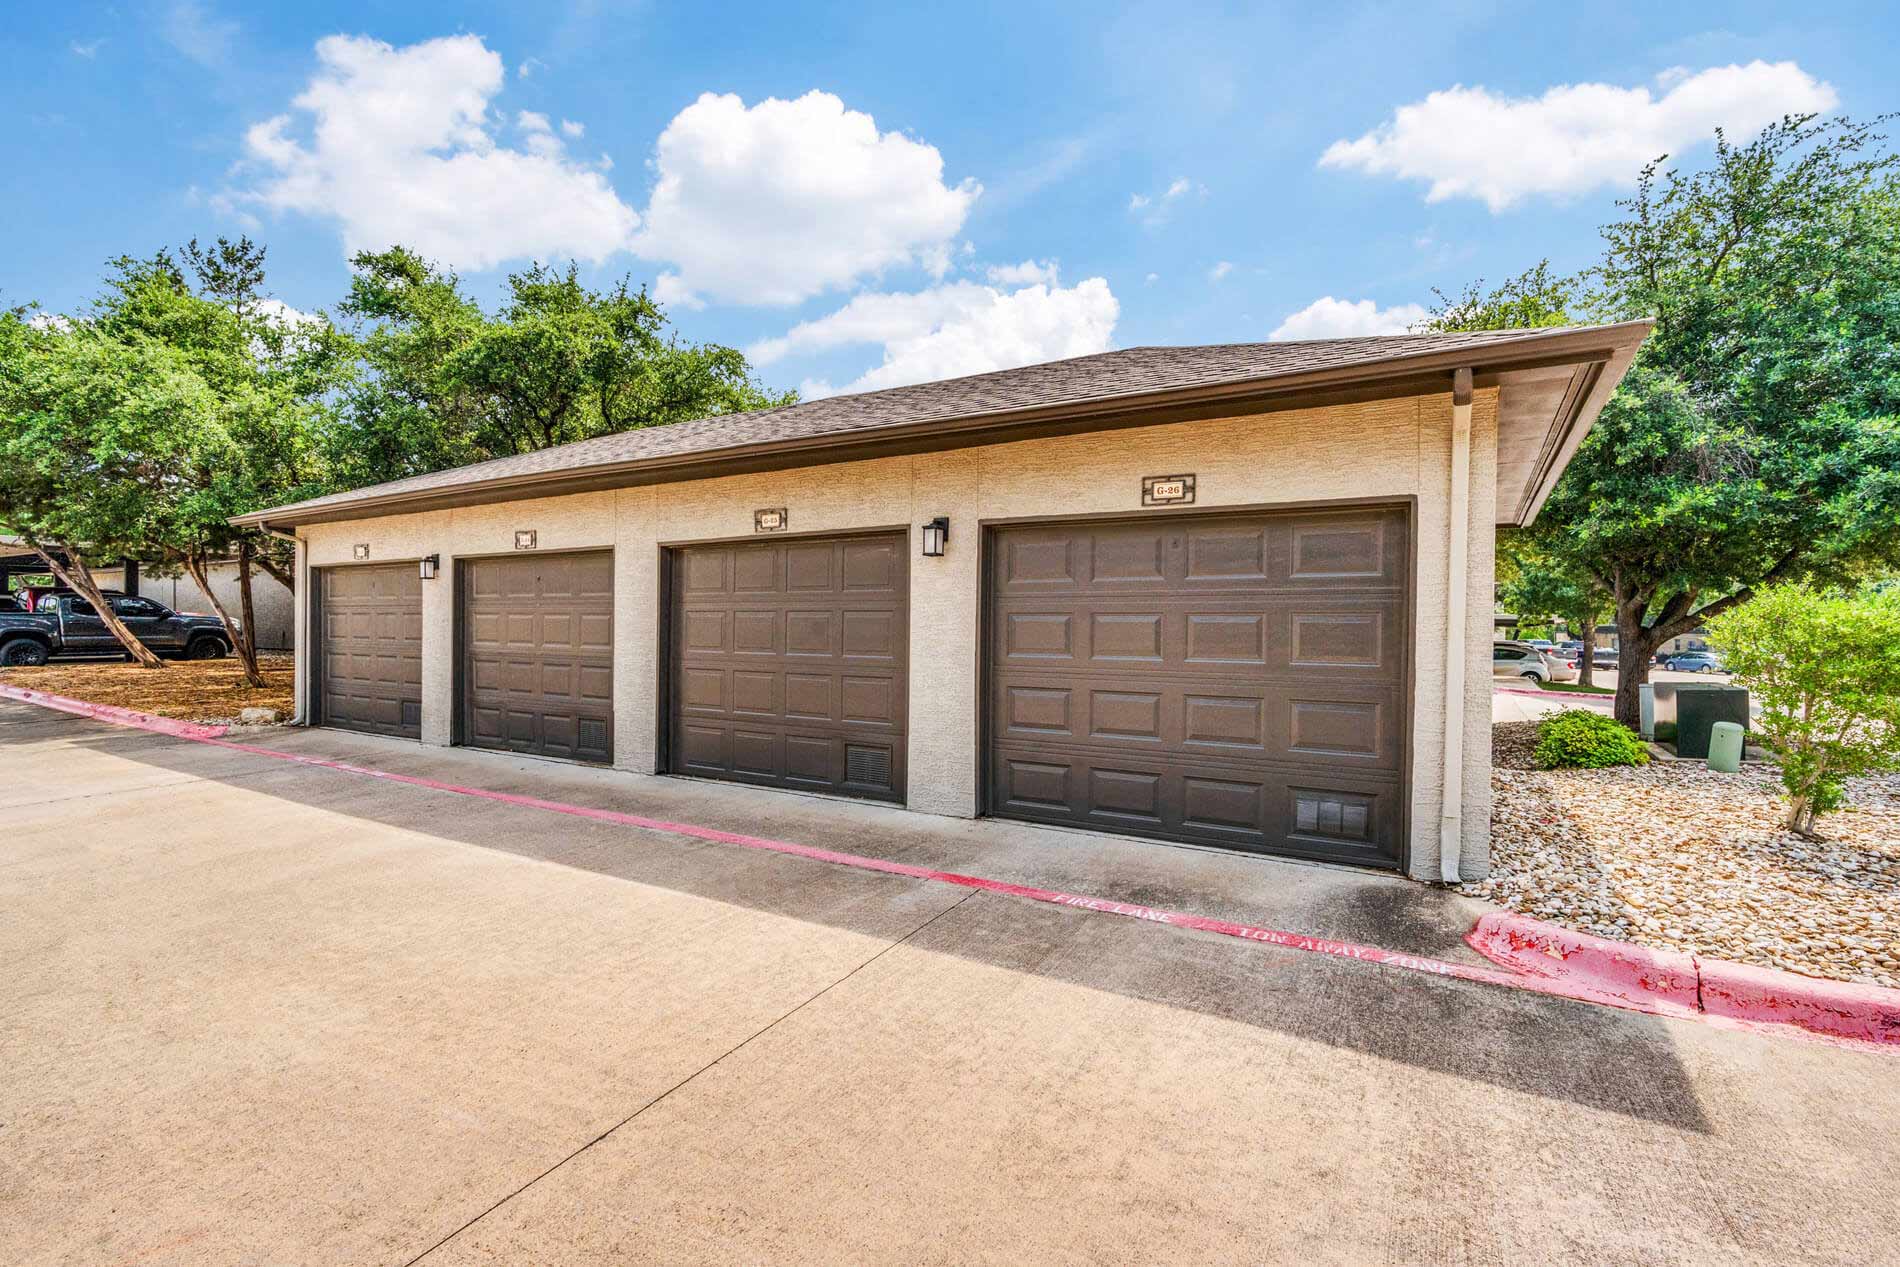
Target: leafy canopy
(448, 384)
(1756, 438)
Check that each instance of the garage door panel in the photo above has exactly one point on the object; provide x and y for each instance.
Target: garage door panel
(370, 653)
(1342, 549)
(1183, 677)
(537, 670)
(810, 696)
(874, 567)
(807, 690)
(757, 633)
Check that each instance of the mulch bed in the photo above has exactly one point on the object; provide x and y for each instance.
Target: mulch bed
(1675, 856)
(212, 691)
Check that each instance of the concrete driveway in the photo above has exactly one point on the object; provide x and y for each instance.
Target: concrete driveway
(258, 1012)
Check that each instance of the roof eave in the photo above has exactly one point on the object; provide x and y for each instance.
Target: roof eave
(1612, 345)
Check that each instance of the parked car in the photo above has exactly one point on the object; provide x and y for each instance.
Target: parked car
(66, 624)
(1694, 662)
(1521, 660)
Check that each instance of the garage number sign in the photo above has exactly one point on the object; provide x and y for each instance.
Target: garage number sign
(527, 539)
(773, 520)
(1167, 490)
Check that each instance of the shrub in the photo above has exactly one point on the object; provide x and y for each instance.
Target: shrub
(1578, 740)
(1826, 671)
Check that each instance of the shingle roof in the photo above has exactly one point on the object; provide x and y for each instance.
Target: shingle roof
(1129, 372)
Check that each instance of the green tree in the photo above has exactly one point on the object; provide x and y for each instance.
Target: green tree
(89, 425)
(267, 372)
(448, 384)
(1755, 439)
(1536, 582)
(1534, 299)
(1826, 671)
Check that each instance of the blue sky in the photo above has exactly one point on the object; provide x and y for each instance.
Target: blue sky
(862, 195)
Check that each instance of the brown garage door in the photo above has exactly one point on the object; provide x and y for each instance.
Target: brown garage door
(789, 664)
(537, 654)
(369, 656)
(1235, 680)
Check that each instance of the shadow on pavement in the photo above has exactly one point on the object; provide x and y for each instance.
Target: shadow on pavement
(1621, 1062)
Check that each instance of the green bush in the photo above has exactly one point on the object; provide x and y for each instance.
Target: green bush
(1578, 740)
(1825, 668)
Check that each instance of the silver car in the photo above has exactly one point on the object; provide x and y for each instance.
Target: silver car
(1522, 660)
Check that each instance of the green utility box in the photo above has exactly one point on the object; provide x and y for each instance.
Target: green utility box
(1699, 707)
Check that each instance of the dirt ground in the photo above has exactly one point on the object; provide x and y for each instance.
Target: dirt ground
(190, 690)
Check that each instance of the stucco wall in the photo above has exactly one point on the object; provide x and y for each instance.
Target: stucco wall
(1386, 450)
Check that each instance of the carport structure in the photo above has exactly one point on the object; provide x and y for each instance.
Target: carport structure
(1234, 596)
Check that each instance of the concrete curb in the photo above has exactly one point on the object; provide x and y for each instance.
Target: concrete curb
(1605, 701)
(1670, 983)
(112, 713)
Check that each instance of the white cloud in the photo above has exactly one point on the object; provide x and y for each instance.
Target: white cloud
(1027, 273)
(1220, 270)
(1154, 209)
(89, 48)
(956, 329)
(1470, 143)
(400, 149)
(529, 67)
(199, 34)
(774, 203)
(1152, 278)
(573, 129)
(1329, 318)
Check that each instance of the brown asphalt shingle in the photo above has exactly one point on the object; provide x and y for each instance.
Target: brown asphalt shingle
(1103, 376)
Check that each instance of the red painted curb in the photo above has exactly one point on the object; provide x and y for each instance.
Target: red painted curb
(1534, 956)
(1869, 1013)
(1671, 983)
(1634, 976)
(111, 713)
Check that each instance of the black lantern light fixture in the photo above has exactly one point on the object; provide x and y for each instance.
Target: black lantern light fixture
(429, 566)
(936, 533)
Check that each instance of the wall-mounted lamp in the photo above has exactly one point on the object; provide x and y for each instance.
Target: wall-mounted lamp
(936, 533)
(430, 565)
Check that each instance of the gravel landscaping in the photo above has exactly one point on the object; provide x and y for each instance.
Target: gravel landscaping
(1675, 856)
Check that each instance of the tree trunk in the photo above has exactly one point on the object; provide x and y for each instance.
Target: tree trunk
(195, 564)
(247, 612)
(1635, 647)
(78, 578)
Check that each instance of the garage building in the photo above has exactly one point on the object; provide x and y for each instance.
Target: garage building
(1235, 596)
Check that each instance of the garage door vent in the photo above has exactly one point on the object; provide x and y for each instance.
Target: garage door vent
(870, 767)
(1339, 815)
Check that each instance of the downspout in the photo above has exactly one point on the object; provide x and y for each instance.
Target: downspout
(1457, 575)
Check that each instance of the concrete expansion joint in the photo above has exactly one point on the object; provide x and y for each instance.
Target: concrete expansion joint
(737, 1047)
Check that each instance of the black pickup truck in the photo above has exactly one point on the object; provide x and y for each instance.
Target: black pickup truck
(66, 624)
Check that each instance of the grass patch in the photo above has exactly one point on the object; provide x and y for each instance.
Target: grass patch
(1578, 688)
(189, 690)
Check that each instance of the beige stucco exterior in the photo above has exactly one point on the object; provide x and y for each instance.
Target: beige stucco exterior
(1391, 450)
